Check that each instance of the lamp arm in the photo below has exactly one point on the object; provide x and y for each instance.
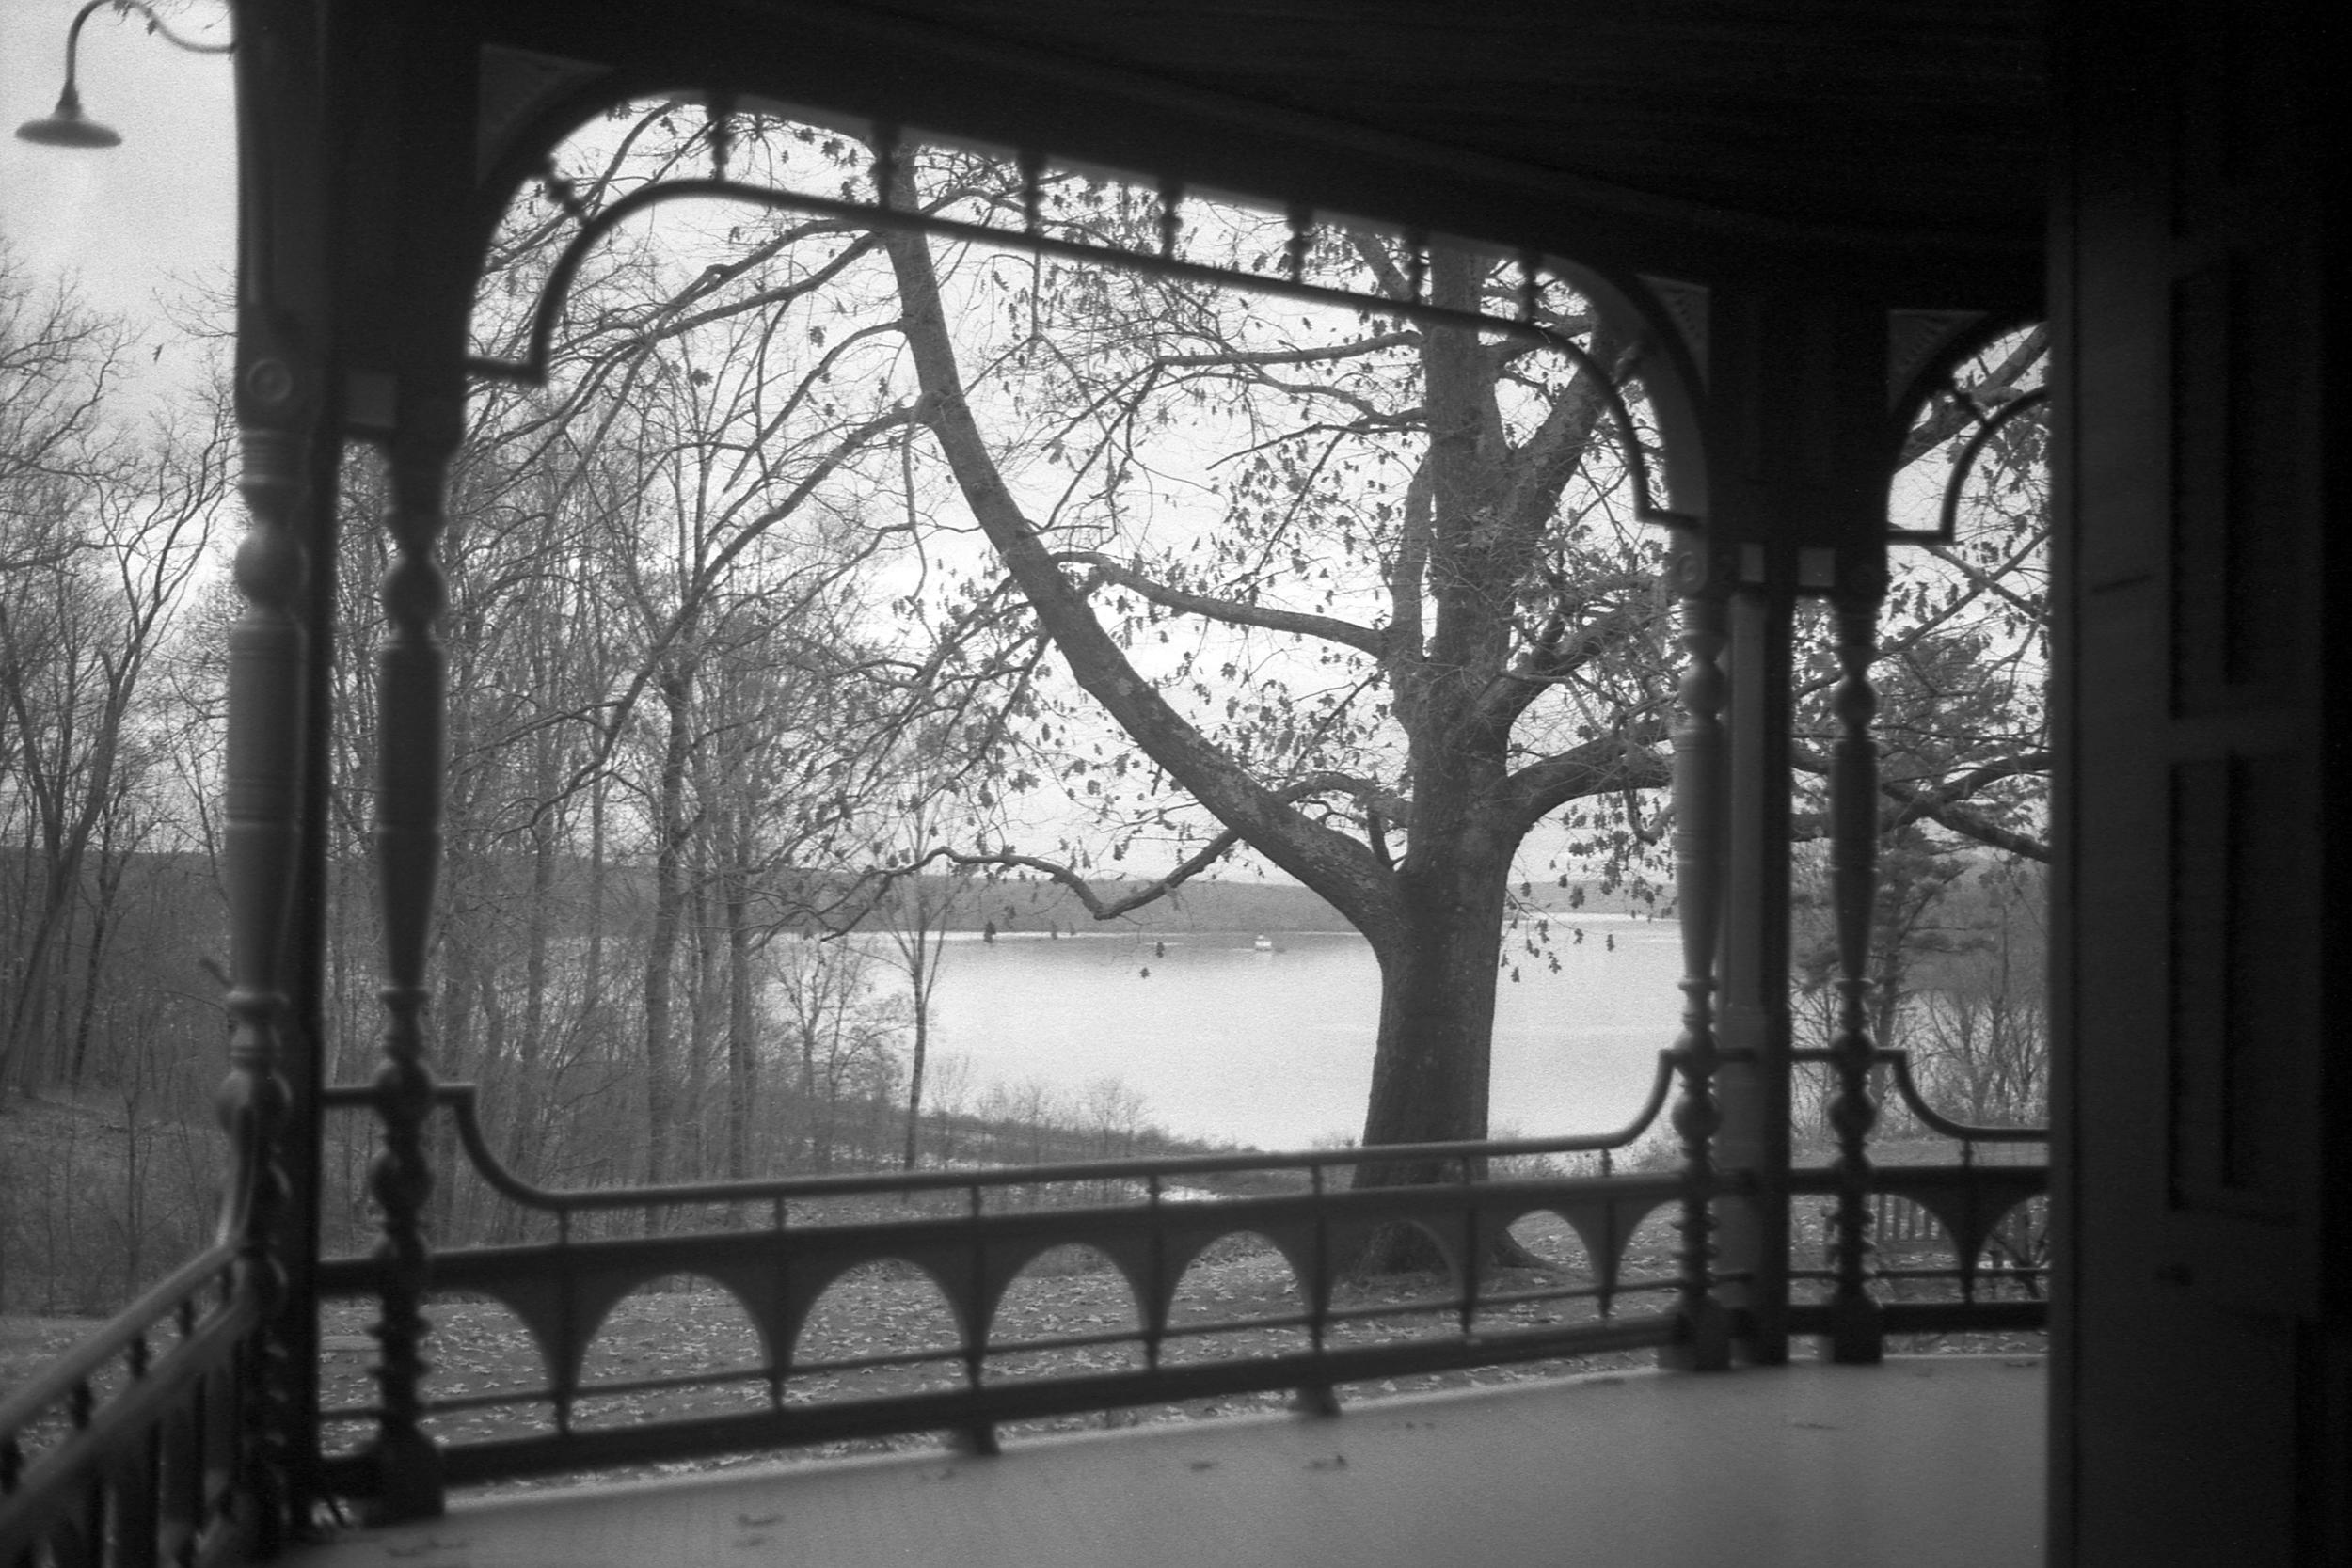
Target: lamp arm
(67, 125)
(154, 25)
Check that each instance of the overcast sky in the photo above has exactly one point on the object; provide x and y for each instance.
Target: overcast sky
(152, 221)
(131, 224)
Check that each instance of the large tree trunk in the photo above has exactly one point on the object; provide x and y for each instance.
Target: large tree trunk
(1431, 1065)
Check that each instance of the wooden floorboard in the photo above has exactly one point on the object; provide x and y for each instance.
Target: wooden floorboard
(1922, 1462)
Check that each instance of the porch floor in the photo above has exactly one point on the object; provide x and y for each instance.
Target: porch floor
(1923, 1462)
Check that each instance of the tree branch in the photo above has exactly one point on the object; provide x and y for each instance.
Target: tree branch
(1339, 868)
(1622, 761)
(1989, 582)
(1326, 627)
(1943, 805)
(1384, 801)
(1096, 905)
(1558, 656)
(1226, 358)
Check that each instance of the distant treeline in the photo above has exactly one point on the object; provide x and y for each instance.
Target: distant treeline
(1035, 905)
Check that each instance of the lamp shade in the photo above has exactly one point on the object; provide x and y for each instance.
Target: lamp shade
(67, 127)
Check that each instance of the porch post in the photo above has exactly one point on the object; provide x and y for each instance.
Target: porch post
(1855, 1332)
(284, 389)
(262, 779)
(1798, 413)
(1756, 1140)
(1766, 439)
(305, 1060)
(410, 746)
(1705, 1344)
(410, 249)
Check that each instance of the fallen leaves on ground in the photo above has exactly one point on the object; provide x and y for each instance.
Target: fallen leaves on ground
(29, 1344)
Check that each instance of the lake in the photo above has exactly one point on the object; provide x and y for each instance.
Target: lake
(1273, 1049)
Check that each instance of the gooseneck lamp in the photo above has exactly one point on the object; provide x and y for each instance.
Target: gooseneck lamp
(65, 125)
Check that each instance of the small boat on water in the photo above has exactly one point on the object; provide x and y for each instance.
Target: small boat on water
(1264, 944)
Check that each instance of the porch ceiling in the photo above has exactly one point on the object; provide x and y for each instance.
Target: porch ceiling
(1921, 116)
(1927, 1462)
(1901, 142)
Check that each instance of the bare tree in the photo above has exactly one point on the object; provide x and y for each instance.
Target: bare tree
(101, 531)
(1437, 514)
(842, 1036)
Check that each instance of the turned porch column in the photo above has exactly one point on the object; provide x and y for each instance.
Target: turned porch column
(272, 771)
(1797, 443)
(1705, 1344)
(410, 764)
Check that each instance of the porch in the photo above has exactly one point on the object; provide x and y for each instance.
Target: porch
(1925, 1460)
(143, 1445)
(210, 1448)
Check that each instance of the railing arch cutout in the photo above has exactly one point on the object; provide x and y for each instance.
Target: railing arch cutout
(1003, 1270)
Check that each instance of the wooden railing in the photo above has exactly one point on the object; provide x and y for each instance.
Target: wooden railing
(970, 1233)
(1983, 1214)
(777, 1247)
(135, 1448)
(131, 1450)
